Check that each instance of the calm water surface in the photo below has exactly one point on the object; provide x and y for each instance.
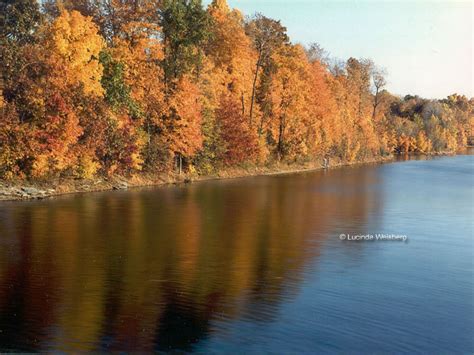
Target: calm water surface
(248, 265)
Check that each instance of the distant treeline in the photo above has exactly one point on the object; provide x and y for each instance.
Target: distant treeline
(93, 87)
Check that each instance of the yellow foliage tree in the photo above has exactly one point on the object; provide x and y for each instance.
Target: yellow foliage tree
(75, 44)
(231, 57)
(423, 144)
(184, 121)
(293, 127)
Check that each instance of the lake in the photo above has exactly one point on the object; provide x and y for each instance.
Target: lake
(248, 265)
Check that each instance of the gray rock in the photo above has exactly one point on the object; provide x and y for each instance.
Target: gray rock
(121, 186)
(30, 190)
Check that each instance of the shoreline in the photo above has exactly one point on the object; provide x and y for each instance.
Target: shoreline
(43, 189)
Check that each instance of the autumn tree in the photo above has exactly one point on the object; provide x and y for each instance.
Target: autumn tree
(74, 48)
(77, 54)
(231, 55)
(359, 104)
(74, 43)
(56, 137)
(133, 59)
(293, 127)
(267, 36)
(423, 144)
(323, 104)
(358, 80)
(241, 142)
(111, 16)
(22, 67)
(183, 127)
(15, 139)
(226, 79)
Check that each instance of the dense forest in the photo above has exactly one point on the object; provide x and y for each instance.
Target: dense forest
(104, 87)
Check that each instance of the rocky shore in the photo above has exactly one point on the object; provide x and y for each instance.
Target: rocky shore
(31, 189)
(43, 189)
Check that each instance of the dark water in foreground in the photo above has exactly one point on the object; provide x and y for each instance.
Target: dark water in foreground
(249, 265)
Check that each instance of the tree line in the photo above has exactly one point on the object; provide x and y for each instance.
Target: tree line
(103, 87)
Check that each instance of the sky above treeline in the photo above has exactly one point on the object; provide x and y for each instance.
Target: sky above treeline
(425, 46)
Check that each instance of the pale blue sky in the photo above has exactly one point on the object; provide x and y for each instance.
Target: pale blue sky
(426, 46)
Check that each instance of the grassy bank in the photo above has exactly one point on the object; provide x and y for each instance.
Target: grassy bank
(40, 189)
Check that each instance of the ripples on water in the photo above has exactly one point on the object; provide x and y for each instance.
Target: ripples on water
(248, 265)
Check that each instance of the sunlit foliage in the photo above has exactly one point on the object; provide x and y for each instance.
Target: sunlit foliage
(93, 87)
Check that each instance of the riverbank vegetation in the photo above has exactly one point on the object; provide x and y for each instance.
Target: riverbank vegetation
(101, 88)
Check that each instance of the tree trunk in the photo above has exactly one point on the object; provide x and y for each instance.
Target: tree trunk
(252, 101)
(260, 128)
(376, 103)
(281, 138)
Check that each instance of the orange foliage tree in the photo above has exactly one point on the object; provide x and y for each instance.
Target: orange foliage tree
(241, 141)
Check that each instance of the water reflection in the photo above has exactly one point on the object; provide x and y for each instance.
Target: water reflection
(154, 269)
